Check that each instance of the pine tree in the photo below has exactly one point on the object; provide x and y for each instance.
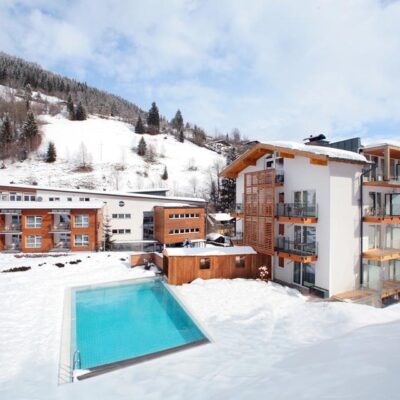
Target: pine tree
(70, 108)
(114, 109)
(28, 95)
(30, 129)
(6, 134)
(139, 127)
(181, 136)
(214, 195)
(164, 176)
(153, 119)
(51, 153)
(107, 234)
(177, 121)
(227, 195)
(80, 114)
(142, 147)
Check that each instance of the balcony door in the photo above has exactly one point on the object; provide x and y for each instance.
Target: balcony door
(375, 202)
(374, 236)
(305, 238)
(393, 237)
(392, 206)
(304, 274)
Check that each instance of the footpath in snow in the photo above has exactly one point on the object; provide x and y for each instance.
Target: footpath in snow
(268, 341)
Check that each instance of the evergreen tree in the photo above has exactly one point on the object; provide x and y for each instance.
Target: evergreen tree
(214, 195)
(51, 155)
(30, 129)
(153, 119)
(6, 134)
(80, 114)
(28, 95)
(164, 176)
(139, 127)
(181, 136)
(114, 109)
(107, 234)
(70, 108)
(227, 195)
(142, 147)
(177, 121)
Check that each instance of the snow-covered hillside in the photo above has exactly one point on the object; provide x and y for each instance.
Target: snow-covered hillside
(110, 146)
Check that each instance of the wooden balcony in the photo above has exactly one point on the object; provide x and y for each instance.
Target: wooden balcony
(11, 229)
(381, 216)
(382, 254)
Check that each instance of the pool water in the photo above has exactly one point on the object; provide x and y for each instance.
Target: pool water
(115, 323)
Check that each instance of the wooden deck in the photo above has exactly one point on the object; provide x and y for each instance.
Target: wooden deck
(382, 254)
(389, 288)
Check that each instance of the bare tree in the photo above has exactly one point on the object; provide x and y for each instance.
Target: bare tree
(194, 182)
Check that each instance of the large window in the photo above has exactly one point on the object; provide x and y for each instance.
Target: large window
(81, 221)
(304, 274)
(33, 242)
(15, 196)
(81, 240)
(33, 221)
(205, 263)
(374, 236)
(148, 225)
(121, 216)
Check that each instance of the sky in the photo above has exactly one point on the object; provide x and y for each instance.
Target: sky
(274, 69)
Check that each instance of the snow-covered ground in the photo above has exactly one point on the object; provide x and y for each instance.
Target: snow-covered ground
(269, 341)
(109, 144)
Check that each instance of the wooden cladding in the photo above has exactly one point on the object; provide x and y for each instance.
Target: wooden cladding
(185, 269)
(168, 230)
(259, 209)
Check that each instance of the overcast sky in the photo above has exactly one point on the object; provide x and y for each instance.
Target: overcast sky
(276, 69)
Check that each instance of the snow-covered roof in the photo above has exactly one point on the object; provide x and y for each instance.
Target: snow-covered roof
(221, 217)
(382, 143)
(214, 236)
(54, 205)
(322, 150)
(103, 193)
(209, 251)
(174, 205)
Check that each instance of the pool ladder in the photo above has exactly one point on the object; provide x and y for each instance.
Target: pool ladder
(76, 362)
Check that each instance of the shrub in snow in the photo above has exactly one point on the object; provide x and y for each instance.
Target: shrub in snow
(264, 273)
(17, 269)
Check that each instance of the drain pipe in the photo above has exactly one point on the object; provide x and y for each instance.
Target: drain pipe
(363, 174)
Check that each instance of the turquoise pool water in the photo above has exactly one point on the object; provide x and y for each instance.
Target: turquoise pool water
(122, 322)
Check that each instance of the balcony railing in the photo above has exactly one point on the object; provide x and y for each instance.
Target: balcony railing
(286, 245)
(11, 228)
(62, 245)
(382, 212)
(297, 210)
(12, 247)
(379, 176)
(61, 227)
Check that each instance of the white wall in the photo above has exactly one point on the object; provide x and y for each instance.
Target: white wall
(345, 227)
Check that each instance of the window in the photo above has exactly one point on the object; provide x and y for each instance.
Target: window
(29, 197)
(4, 196)
(33, 242)
(148, 225)
(281, 229)
(84, 198)
(121, 231)
(81, 221)
(81, 240)
(15, 196)
(33, 221)
(121, 216)
(304, 274)
(205, 263)
(240, 261)
(69, 198)
(281, 262)
(54, 199)
(121, 203)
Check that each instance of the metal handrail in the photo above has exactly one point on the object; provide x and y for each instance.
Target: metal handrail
(299, 210)
(293, 247)
(370, 211)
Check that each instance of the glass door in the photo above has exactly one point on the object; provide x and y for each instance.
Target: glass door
(374, 236)
(304, 274)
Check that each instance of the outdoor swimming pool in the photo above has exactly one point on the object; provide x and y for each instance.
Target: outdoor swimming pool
(112, 324)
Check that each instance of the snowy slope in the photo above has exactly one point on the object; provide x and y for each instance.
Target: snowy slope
(269, 342)
(109, 144)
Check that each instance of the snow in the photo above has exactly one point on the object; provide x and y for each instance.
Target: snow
(268, 342)
(209, 250)
(109, 146)
(19, 205)
(6, 91)
(108, 193)
(372, 144)
(221, 217)
(327, 151)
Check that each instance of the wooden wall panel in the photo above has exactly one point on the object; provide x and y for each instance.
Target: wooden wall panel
(92, 230)
(184, 269)
(163, 224)
(44, 231)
